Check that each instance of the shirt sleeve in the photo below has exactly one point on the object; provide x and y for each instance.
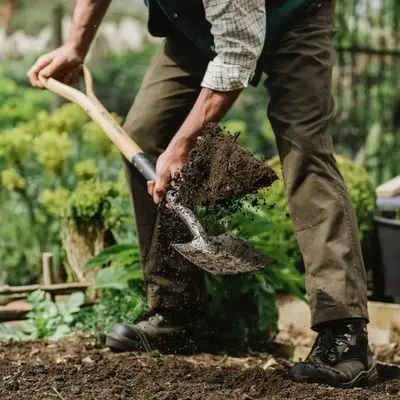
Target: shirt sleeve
(239, 29)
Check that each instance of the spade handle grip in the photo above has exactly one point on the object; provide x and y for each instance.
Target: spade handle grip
(90, 103)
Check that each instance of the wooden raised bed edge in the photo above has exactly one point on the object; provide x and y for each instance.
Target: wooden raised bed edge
(58, 288)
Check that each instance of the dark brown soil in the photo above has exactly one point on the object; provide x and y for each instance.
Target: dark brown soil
(73, 369)
(219, 170)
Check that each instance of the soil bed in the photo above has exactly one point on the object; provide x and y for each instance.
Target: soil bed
(76, 370)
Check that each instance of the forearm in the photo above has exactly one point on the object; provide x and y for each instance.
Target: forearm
(87, 17)
(210, 106)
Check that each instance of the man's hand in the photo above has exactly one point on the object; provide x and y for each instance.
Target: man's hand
(63, 64)
(168, 166)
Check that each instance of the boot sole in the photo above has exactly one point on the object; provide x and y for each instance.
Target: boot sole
(364, 378)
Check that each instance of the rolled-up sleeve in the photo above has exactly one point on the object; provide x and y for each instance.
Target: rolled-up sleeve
(239, 28)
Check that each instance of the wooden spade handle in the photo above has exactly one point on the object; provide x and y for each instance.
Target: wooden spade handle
(90, 103)
(133, 153)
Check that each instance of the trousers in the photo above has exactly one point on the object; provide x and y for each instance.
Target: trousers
(299, 74)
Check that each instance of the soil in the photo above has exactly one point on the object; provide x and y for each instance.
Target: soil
(219, 170)
(74, 369)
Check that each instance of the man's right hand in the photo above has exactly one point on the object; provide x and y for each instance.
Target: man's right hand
(63, 64)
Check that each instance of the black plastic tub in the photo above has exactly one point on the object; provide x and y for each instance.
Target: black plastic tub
(389, 240)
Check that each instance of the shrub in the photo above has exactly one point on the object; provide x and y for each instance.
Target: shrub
(19, 105)
(91, 202)
(42, 160)
(358, 182)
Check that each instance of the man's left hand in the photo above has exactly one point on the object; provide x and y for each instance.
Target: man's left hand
(168, 166)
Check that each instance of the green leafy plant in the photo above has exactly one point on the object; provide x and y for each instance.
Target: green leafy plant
(46, 320)
(125, 267)
(114, 306)
(122, 287)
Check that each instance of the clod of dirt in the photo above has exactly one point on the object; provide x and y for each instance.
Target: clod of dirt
(219, 170)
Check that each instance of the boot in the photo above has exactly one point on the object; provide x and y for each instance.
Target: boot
(162, 330)
(340, 357)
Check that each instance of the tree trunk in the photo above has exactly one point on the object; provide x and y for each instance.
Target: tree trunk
(82, 243)
(58, 13)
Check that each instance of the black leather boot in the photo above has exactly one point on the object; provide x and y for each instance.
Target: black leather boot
(340, 357)
(161, 330)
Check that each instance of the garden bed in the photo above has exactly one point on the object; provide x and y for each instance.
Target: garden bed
(74, 369)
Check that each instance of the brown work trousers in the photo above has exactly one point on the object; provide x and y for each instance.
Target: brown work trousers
(299, 85)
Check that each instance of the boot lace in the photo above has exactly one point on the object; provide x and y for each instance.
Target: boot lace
(326, 346)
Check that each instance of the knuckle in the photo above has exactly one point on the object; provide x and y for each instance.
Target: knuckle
(42, 58)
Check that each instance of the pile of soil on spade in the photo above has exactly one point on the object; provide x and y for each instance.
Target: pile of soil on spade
(219, 170)
(74, 369)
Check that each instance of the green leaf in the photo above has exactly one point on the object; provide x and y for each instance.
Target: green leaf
(61, 331)
(74, 302)
(111, 278)
(109, 254)
(9, 332)
(134, 275)
(29, 327)
(36, 297)
(52, 309)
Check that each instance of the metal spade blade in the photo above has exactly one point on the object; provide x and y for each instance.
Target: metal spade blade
(225, 254)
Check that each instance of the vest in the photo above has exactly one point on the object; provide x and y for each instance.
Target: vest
(187, 17)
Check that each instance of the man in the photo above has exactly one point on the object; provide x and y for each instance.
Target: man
(212, 51)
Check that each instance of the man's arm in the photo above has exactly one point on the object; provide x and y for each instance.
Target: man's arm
(239, 28)
(209, 107)
(88, 15)
(65, 62)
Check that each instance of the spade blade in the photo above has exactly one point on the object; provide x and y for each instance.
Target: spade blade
(225, 254)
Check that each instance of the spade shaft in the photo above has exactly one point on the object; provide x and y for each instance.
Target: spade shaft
(222, 255)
